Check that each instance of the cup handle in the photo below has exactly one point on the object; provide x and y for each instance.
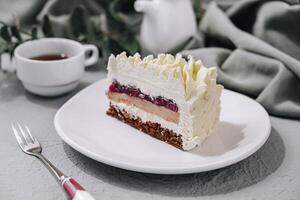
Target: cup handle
(94, 57)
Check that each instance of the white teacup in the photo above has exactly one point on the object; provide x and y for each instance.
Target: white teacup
(53, 77)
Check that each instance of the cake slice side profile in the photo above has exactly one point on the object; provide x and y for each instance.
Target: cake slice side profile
(173, 99)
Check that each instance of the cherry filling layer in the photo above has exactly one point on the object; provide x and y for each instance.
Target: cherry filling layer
(132, 91)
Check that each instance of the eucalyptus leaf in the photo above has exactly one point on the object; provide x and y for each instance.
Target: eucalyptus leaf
(5, 34)
(197, 9)
(127, 6)
(132, 20)
(15, 32)
(4, 46)
(76, 21)
(46, 27)
(115, 23)
(34, 33)
(131, 45)
(113, 10)
(81, 24)
(12, 51)
(114, 47)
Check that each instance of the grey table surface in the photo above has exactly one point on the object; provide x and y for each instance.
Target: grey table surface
(272, 173)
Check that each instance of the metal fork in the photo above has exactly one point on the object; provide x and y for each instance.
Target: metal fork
(31, 146)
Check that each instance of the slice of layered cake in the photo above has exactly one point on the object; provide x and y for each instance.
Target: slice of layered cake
(173, 99)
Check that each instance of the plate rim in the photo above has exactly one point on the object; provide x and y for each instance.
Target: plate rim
(149, 169)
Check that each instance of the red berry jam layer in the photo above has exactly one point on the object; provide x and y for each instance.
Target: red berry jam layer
(132, 91)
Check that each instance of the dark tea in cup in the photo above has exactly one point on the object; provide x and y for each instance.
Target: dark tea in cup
(49, 57)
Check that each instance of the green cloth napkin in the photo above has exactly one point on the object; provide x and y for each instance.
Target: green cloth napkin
(256, 46)
(254, 43)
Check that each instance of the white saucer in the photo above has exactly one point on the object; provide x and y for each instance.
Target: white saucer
(83, 124)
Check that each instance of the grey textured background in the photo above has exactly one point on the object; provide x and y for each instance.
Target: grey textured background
(271, 173)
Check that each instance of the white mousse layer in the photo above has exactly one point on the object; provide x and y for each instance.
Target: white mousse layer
(145, 116)
(188, 83)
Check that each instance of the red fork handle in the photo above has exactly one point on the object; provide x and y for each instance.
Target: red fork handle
(75, 191)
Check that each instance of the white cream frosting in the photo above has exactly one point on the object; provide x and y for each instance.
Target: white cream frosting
(188, 83)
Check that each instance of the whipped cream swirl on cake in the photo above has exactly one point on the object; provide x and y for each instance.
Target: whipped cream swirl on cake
(171, 98)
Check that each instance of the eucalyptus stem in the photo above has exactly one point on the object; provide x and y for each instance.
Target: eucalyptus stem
(24, 32)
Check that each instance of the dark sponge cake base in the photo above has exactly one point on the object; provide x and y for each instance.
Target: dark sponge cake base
(153, 129)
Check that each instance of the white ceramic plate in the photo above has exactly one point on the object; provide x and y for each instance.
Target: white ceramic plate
(83, 124)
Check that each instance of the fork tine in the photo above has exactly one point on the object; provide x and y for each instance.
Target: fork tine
(19, 139)
(29, 133)
(25, 135)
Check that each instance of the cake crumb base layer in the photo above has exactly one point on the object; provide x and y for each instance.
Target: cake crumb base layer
(153, 129)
